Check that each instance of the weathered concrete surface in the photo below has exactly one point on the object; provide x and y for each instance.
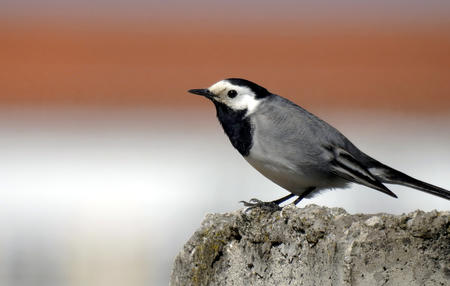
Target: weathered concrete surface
(317, 246)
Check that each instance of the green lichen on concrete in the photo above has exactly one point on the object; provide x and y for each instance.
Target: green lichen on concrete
(204, 254)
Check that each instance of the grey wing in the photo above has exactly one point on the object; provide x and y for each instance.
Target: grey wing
(346, 166)
(313, 145)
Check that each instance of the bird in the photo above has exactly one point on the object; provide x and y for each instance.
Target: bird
(294, 148)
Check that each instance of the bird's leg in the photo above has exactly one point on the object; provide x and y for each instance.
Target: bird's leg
(305, 193)
(268, 206)
(283, 199)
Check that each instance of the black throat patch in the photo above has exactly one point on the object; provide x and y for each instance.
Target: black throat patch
(236, 126)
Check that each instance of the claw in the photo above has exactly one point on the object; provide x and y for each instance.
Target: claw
(265, 206)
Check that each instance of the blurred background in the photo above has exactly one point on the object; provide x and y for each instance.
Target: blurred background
(108, 165)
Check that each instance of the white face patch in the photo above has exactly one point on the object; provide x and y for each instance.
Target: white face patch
(245, 98)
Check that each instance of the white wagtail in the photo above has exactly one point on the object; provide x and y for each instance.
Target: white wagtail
(294, 148)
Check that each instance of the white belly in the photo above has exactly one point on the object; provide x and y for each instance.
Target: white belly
(291, 177)
(282, 174)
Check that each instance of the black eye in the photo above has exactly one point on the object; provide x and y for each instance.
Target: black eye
(232, 93)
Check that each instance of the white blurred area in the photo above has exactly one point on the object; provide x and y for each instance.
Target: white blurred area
(91, 197)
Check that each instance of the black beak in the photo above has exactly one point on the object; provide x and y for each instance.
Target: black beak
(203, 92)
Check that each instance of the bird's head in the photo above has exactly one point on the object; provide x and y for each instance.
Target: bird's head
(236, 93)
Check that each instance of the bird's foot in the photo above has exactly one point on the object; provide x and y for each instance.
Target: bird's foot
(265, 206)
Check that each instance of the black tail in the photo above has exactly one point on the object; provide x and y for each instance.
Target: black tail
(391, 176)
